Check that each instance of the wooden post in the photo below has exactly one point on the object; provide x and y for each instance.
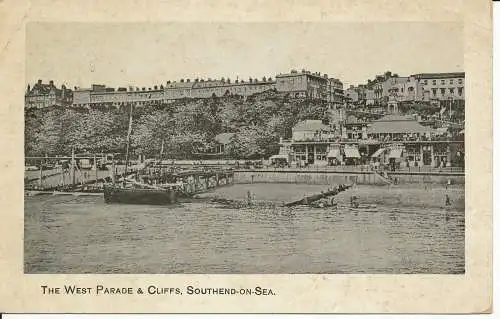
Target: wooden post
(113, 179)
(196, 182)
(128, 141)
(62, 175)
(41, 175)
(95, 169)
(72, 172)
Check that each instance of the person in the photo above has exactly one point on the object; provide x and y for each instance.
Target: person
(249, 197)
(333, 203)
(354, 203)
(447, 200)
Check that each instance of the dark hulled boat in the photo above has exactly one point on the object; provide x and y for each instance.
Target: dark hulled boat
(130, 191)
(116, 194)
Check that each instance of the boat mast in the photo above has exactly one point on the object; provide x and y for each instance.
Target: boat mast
(128, 139)
(161, 151)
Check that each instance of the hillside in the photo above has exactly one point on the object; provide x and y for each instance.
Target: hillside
(184, 127)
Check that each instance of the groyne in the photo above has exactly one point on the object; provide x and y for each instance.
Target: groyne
(329, 177)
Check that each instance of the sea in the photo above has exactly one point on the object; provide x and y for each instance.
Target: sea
(78, 235)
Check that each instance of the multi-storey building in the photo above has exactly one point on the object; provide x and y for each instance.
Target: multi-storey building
(360, 95)
(439, 89)
(393, 139)
(100, 95)
(44, 95)
(335, 93)
(305, 84)
(222, 87)
(352, 94)
(384, 89)
(440, 86)
(299, 85)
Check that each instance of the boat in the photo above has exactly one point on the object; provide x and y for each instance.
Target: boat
(307, 200)
(130, 191)
(113, 194)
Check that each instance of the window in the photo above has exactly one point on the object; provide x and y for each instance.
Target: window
(442, 91)
(452, 91)
(442, 82)
(451, 81)
(434, 91)
(433, 82)
(460, 81)
(460, 91)
(425, 82)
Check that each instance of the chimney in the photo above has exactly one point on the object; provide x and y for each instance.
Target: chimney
(51, 83)
(40, 82)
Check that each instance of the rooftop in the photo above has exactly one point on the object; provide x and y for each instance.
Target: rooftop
(310, 125)
(223, 138)
(439, 75)
(397, 124)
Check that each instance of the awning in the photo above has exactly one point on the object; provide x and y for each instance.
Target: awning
(282, 156)
(351, 152)
(335, 153)
(379, 152)
(395, 153)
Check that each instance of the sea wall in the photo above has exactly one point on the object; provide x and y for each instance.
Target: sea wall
(328, 177)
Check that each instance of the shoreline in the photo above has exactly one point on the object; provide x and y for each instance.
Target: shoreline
(407, 195)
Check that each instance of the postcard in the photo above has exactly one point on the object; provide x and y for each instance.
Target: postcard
(246, 157)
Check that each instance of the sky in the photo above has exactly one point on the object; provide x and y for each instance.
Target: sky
(148, 54)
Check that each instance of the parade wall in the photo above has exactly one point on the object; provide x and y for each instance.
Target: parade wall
(318, 177)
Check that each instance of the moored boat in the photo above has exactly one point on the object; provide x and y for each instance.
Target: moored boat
(116, 194)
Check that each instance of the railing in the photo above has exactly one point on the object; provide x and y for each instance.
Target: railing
(360, 168)
(375, 141)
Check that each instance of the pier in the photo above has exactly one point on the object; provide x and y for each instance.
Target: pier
(190, 181)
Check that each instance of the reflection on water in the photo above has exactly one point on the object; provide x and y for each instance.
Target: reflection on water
(64, 234)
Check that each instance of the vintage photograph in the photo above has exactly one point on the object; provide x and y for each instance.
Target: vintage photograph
(244, 148)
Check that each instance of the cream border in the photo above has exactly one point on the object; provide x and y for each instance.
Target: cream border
(297, 293)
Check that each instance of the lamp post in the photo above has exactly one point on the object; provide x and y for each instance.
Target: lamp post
(450, 99)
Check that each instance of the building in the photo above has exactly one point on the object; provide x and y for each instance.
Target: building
(392, 140)
(441, 88)
(335, 93)
(305, 84)
(352, 95)
(384, 88)
(360, 96)
(401, 139)
(45, 95)
(299, 85)
(100, 95)
(219, 87)
(310, 143)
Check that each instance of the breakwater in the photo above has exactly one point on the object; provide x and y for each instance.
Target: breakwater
(328, 177)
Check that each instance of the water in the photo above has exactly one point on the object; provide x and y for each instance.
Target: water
(66, 234)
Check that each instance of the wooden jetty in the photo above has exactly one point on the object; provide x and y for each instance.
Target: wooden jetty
(311, 198)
